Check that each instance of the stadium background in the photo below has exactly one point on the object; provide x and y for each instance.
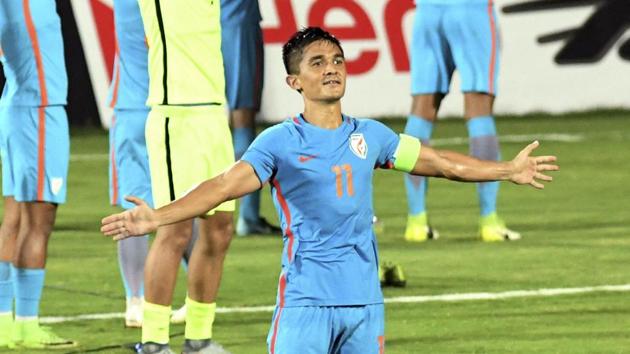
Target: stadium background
(557, 56)
(462, 295)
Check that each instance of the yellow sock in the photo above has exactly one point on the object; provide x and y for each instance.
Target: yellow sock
(155, 323)
(199, 319)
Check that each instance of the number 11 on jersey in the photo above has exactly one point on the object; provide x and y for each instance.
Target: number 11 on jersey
(339, 171)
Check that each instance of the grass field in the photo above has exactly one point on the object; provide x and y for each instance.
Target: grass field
(576, 234)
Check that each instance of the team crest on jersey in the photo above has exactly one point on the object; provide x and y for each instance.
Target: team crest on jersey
(358, 145)
(55, 185)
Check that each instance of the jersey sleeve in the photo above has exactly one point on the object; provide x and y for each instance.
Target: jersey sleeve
(261, 154)
(388, 142)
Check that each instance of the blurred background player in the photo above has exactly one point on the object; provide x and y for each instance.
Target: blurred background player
(243, 58)
(449, 34)
(35, 152)
(129, 164)
(243, 61)
(188, 141)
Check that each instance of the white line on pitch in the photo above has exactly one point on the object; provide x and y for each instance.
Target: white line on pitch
(398, 299)
(522, 138)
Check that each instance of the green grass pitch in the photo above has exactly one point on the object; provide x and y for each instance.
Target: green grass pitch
(576, 233)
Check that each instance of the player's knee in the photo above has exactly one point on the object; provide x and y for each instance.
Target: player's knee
(477, 104)
(426, 106)
(176, 241)
(9, 229)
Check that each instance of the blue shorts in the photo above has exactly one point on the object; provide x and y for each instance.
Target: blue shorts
(329, 329)
(128, 160)
(33, 63)
(34, 155)
(446, 37)
(243, 60)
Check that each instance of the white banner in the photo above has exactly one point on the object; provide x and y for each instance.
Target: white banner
(375, 35)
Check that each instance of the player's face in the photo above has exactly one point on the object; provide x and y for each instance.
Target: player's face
(322, 74)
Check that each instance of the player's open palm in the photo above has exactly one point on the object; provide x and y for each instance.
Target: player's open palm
(529, 169)
(138, 221)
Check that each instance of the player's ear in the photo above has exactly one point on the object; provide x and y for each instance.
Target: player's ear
(294, 83)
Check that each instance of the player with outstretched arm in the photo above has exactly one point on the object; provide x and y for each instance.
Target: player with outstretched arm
(320, 165)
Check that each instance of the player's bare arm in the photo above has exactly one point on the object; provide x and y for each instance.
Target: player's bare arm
(523, 169)
(238, 180)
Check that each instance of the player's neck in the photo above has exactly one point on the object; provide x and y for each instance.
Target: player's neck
(323, 115)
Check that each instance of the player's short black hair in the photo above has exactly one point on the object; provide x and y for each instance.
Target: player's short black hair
(293, 49)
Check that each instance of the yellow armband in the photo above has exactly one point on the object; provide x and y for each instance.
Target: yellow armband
(406, 153)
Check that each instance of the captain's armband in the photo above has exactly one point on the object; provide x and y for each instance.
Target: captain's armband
(406, 153)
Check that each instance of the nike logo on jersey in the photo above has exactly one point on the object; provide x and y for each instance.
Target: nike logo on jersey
(304, 158)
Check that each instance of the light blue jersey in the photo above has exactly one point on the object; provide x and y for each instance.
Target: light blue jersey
(321, 182)
(34, 65)
(130, 81)
(129, 163)
(237, 12)
(33, 123)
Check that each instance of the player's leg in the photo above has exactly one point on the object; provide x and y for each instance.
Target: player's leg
(8, 235)
(215, 231)
(474, 39)
(130, 175)
(41, 147)
(431, 70)
(204, 277)
(163, 139)
(160, 276)
(365, 330)
(179, 315)
(306, 330)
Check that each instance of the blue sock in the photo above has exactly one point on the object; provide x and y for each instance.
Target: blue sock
(6, 287)
(416, 186)
(484, 145)
(132, 254)
(28, 285)
(249, 204)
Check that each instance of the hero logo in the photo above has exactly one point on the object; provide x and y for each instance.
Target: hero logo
(591, 41)
(362, 29)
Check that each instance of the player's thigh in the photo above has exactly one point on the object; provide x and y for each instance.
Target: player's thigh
(38, 146)
(431, 62)
(367, 334)
(130, 174)
(243, 58)
(472, 33)
(304, 330)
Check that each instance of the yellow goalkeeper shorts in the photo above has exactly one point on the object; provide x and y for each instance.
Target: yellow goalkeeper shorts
(187, 145)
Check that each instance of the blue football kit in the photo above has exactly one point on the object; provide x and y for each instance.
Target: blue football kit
(129, 162)
(451, 35)
(243, 56)
(321, 184)
(34, 137)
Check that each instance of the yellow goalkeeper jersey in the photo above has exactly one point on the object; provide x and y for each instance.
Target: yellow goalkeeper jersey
(185, 61)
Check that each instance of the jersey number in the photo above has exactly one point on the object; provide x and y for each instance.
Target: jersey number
(339, 171)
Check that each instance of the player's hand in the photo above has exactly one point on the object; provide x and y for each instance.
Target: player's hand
(529, 169)
(138, 221)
